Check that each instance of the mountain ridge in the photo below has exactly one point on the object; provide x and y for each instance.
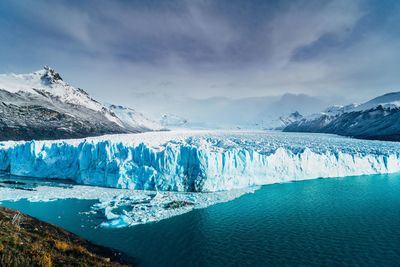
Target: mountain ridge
(375, 119)
(41, 105)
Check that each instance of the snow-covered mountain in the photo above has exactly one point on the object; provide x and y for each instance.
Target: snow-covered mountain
(283, 121)
(376, 119)
(172, 120)
(230, 113)
(41, 105)
(387, 101)
(47, 82)
(134, 120)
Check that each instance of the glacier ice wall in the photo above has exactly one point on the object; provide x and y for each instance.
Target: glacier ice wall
(198, 160)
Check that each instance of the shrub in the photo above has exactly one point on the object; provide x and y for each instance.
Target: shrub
(45, 260)
(60, 245)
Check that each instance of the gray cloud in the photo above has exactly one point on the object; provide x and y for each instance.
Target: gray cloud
(200, 49)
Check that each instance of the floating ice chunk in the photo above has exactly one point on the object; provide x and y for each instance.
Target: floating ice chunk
(119, 222)
(122, 211)
(124, 207)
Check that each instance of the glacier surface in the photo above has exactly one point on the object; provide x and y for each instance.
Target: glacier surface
(198, 161)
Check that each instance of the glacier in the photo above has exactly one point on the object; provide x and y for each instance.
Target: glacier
(198, 161)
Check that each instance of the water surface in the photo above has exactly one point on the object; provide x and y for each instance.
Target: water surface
(339, 221)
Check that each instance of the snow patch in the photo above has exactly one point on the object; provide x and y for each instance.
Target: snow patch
(135, 120)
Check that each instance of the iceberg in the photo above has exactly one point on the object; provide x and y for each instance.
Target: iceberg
(198, 161)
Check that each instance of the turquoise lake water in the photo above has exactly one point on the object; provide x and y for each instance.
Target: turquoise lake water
(323, 222)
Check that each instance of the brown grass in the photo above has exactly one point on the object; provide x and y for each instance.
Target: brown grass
(27, 241)
(60, 245)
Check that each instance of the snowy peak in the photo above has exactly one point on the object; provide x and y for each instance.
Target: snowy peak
(375, 119)
(327, 115)
(293, 116)
(47, 83)
(50, 75)
(387, 101)
(339, 109)
(42, 105)
(134, 120)
(172, 120)
(390, 100)
(286, 120)
(386, 98)
(283, 121)
(40, 79)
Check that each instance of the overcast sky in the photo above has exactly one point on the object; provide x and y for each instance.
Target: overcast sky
(124, 50)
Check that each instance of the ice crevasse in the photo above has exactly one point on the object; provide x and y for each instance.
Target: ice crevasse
(198, 160)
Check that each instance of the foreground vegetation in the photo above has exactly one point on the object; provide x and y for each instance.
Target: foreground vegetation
(26, 241)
